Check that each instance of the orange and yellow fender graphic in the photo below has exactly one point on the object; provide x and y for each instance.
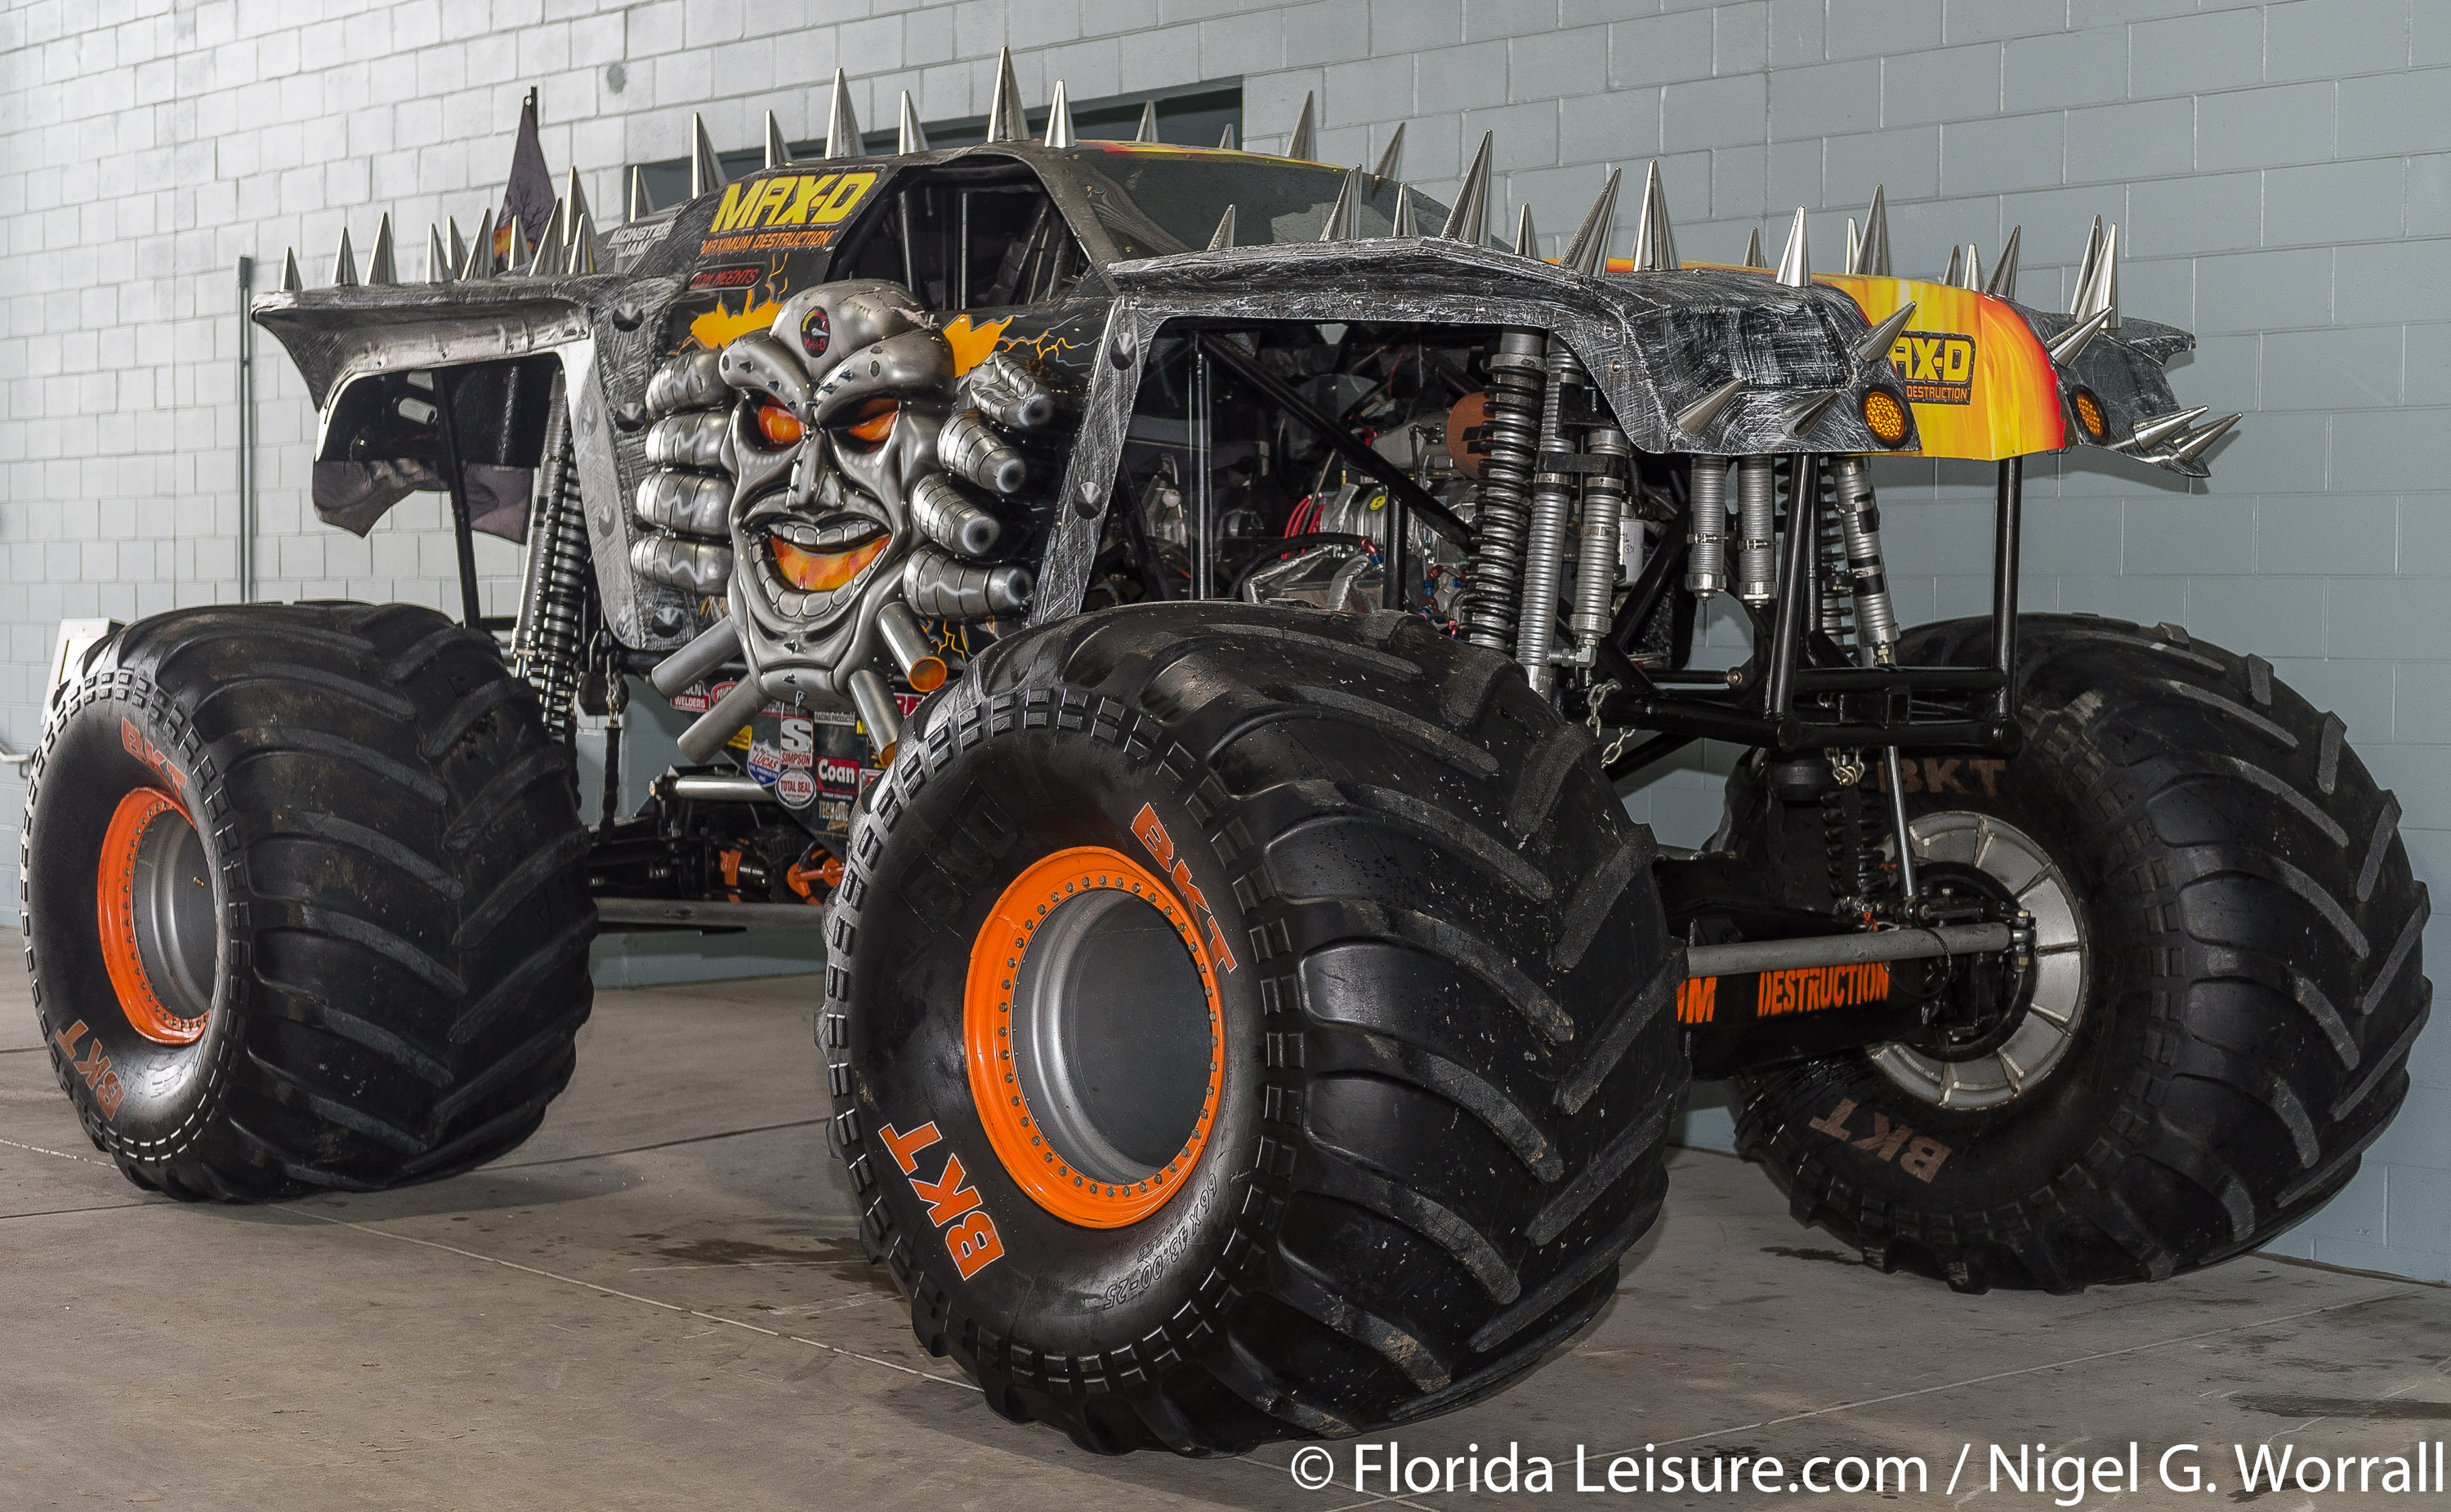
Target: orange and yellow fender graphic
(718, 326)
(972, 342)
(1981, 384)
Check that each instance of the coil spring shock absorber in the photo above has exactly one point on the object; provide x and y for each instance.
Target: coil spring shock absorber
(1706, 528)
(1544, 546)
(1859, 521)
(1756, 529)
(1852, 828)
(1836, 583)
(1517, 377)
(552, 598)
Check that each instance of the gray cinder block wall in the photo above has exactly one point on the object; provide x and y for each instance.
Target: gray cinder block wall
(2282, 174)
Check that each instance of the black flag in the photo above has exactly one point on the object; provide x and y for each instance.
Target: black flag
(528, 203)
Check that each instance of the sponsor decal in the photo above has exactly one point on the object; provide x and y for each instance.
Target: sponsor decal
(838, 775)
(95, 1068)
(1937, 367)
(795, 741)
(1917, 1155)
(739, 276)
(971, 1238)
(786, 212)
(630, 243)
(796, 788)
(1161, 845)
(1812, 989)
(765, 762)
(1697, 999)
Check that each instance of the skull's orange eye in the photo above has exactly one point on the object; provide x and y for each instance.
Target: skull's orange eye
(778, 426)
(872, 422)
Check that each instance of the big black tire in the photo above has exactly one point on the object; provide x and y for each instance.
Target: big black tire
(336, 936)
(2249, 995)
(1437, 1069)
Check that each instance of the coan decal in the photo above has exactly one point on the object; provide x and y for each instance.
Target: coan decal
(1937, 367)
(1161, 845)
(971, 1240)
(787, 211)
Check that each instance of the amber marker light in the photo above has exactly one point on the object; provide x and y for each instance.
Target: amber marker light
(2088, 413)
(1885, 417)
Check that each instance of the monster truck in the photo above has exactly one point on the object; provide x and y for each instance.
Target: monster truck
(1177, 619)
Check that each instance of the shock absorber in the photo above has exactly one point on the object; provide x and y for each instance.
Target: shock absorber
(1831, 577)
(1756, 529)
(1544, 546)
(1859, 520)
(1706, 528)
(1852, 828)
(1603, 547)
(1516, 375)
(553, 598)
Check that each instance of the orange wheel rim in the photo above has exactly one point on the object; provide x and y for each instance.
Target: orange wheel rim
(115, 918)
(1050, 1176)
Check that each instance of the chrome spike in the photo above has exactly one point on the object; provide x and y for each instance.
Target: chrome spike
(1801, 414)
(1854, 244)
(1527, 242)
(1794, 270)
(1339, 215)
(457, 244)
(1405, 223)
(2085, 267)
(1007, 121)
(1973, 268)
(345, 264)
(1956, 259)
(2196, 443)
(2066, 347)
(581, 259)
(575, 196)
(1147, 131)
(437, 257)
(1697, 416)
(1654, 240)
(2105, 294)
(909, 136)
(2003, 284)
(1589, 249)
(1391, 161)
(2150, 433)
(1304, 144)
(1877, 342)
(706, 168)
(1468, 221)
(777, 150)
(1226, 139)
(290, 281)
(1752, 249)
(378, 261)
(1059, 119)
(1222, 238)
(842, 124)
(1872, 258)
(546, 260)
(640, 207)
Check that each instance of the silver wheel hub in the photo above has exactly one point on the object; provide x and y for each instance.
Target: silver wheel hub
(2011, 858)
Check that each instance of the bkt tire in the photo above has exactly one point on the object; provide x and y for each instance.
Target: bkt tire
(1248, 1023)
(304, 900)
(2228, 987)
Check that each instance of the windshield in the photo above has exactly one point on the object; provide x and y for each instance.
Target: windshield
(1185, 193)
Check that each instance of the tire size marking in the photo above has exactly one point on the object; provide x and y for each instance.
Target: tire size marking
(972, 1241)
(1918, 1155)
(99, 1078)
(146, 751)
(1938, 776)
(1152, 834)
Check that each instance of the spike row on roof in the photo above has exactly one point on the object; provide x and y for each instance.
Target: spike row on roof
(1222, 237)
(378, 261)
(1587, 251)
(2003, 284)
(1304, 142)
(1404, 224)
(1147, 129)
(1391, 158)
(842, 124)
(910, 135)
(1870, 257)
(1753, 257)
(778, 151)
(706, 167)
(1006, 120)
(439, 269)
(1468, 218)
(345, 264)
(1654, 240)
(1059, 119)
(1341, 214)
(1527, 242)
(1795, 269)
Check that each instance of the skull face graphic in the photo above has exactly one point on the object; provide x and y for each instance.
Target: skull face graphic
(837, 480)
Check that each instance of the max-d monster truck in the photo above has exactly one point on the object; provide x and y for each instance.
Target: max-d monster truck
(1181, 613)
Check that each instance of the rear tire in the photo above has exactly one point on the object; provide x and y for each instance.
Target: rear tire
(305, 902)
(1438, 1072)
(2250, 991)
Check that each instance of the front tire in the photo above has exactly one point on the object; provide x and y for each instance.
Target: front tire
(2228, 992)
(306, 904)
(1384, 1094)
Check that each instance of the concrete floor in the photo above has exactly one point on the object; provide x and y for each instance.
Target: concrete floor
(657, 1304)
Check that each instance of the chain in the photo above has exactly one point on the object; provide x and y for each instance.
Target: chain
(1598, 699)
